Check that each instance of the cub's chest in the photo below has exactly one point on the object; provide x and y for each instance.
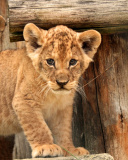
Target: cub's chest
(56, 102)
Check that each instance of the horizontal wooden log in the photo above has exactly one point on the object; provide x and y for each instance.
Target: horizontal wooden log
(104, 156)
(106, 16)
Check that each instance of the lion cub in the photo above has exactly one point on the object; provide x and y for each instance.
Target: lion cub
(38, 83)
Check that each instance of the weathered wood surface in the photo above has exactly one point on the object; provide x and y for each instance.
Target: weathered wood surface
(94, 138)
(22, 148)
(78, 122)
(5, 41)
(89, 157)
(106, 16)
(112, 93)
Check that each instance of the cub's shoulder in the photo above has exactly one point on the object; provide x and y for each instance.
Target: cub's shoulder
(12, 51)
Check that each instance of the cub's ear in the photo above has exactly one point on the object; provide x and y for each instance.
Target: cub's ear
(33, 37)
(89, 41)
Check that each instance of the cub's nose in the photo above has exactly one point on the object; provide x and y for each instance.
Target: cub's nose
(61, 84)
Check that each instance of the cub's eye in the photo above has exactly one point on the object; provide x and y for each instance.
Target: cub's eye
(72, 62)
(50, 62)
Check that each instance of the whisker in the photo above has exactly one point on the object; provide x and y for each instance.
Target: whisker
(43, 84)
(80, 90)
(43, 88)
(46, 93)
(103, 72)
(39, 77)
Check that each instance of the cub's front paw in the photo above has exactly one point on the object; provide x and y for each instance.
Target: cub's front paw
(52, 150)
(76, 151)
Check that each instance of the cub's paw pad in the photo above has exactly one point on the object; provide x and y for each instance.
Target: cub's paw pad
(47, 151)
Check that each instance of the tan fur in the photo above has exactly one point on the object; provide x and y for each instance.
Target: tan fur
(30, 97)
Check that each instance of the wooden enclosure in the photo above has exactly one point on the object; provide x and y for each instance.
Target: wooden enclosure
(105, 16)
(100, 121)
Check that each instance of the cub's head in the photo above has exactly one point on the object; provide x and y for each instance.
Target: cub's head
(60, 55)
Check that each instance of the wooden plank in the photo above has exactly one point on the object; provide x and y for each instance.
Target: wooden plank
(112, 93)
(106, 16)
(89, 157)
(94, 138)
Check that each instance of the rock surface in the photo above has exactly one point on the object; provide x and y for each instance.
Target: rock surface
(103, 156)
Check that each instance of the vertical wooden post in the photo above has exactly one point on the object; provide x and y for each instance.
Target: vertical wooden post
(5, 41)
(94, 140)
(112, 93)
(78, 122)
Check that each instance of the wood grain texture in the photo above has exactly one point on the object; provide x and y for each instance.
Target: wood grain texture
(5, 41)
(22, 148)
(112, 93)
(89, 157)
(94, 138)
(78, 122)
(106, 16)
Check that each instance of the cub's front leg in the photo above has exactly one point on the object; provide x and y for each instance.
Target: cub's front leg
(61, 127)
(35, 128)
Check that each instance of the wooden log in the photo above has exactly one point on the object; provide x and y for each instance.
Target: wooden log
(104, 156)
(112, 93)
(94, 140)
(106, 16)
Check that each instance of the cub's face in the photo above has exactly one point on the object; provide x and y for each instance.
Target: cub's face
(60, 55)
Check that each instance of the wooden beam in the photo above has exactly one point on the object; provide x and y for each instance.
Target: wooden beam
(104, 156)
(106, 16)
